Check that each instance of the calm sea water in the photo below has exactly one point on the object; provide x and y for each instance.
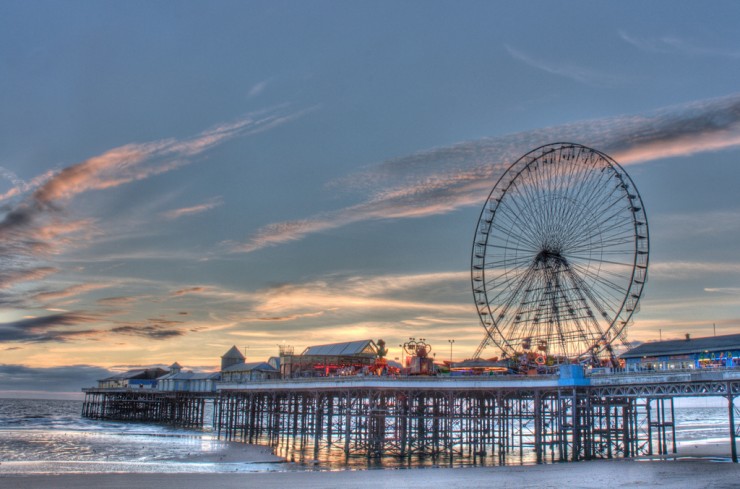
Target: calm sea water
(50, 436)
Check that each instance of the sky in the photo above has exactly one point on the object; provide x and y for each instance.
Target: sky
(180, 177)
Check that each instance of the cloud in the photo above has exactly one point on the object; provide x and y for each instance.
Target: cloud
(190, 290)
(36, 227)
(723, 290)
(70, 378)
(445, 179)
(65, 326)
(117, 301)
(332, 301)
(19, 185)
(258, 88)
(71, 291)
(196, 209)
(11, 277)
(573, 72)
(46, 328)
(687, 269)
(153, 331)
(352, 295)
(138, 161)
(684, 225)
(675, 45)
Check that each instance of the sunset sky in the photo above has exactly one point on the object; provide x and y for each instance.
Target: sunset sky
(181, 177)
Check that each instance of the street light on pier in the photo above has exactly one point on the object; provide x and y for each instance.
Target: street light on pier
(451, 342)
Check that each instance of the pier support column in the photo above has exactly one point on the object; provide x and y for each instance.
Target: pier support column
(731, 409)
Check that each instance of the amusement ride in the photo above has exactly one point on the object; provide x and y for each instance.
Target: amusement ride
(560, 257)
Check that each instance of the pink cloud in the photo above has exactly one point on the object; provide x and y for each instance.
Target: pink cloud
(443, 180)
(36, 227)
(196, 209)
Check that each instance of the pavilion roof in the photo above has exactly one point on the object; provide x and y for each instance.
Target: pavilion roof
(685, 346)
(350, 348)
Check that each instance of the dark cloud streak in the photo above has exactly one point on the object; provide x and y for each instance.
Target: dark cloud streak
(57, 379)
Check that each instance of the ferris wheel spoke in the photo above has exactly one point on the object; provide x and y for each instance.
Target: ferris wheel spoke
(518, 238)
(526, 226)
(599, 280)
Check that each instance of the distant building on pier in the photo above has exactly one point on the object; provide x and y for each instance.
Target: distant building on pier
(249, 372)
(133, 379)
(234, 368)
(346, 358)
(706, 352)
(187, 381)
(231, 357)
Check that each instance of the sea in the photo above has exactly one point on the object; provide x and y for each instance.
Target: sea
(51, 437)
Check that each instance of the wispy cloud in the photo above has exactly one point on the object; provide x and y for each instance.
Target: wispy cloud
(196, 209)
(723, 290)
(71, 378)
(672, 328)
(68, 292)
(117, 301)
(686, 269)
(66, 326)
(445, 179)
(676, 45)
(46, 328)
(9, 277)
(36, 226)
(138, 161)
(152, 331)
(566, 70)
(708, 223)
(336, 298)
(257, 88)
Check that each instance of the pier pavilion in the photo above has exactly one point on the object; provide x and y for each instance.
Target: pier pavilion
(330, 359)
(706, 352)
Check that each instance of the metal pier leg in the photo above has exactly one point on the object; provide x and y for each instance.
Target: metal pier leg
(538, 422)
(673, 427)
(731, 409)
(649, 426)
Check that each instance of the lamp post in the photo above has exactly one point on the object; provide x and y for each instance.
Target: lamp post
(451, 342)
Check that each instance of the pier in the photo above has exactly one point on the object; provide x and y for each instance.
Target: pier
(184, 409)
(476, 419)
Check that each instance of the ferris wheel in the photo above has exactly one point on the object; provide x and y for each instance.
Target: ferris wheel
(560, 255)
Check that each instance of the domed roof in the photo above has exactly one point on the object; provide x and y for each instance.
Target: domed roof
(233, 353)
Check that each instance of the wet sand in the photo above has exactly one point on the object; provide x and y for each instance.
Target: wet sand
(600, 474)
(695, 466)
(235, 452)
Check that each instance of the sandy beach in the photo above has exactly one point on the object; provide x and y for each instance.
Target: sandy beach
(683, 470)
(601, 474)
